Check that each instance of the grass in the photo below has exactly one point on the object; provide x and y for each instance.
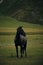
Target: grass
(9, 22)
(8, 27)
(34, 51)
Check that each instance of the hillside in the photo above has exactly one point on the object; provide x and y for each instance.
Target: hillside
(8, 22)
(9, 26)
(24, 10)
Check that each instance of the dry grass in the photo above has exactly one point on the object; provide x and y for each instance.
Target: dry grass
(25, 29)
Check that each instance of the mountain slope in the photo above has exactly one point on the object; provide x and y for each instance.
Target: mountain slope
(25, 10)
(13, 23)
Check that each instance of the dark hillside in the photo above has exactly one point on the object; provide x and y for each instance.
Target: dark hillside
(25, 10)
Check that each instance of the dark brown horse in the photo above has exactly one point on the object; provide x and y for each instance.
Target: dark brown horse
(20, 40)
(22, 44)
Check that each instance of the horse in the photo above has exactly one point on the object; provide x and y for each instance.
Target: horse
(22, 43)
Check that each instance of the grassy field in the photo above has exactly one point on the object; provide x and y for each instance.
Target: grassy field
(34, 51)
(9, 25)
(8, 22)
(34, 43)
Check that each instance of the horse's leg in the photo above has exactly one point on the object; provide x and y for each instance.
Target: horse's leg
(25, 50)
(17, 50)
(21, 50)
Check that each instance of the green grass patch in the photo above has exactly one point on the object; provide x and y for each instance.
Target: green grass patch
(34, 51)
(12, 23)
(34, 43)
(28, 33)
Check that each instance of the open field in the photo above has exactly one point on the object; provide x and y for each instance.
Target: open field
(34, 51)
(8, 27)
(3, 29)
(8, 24)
